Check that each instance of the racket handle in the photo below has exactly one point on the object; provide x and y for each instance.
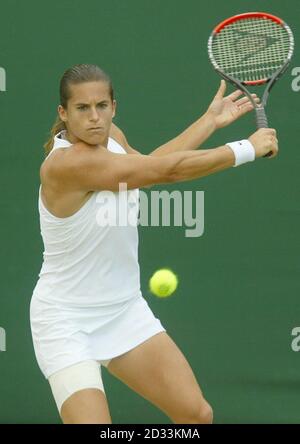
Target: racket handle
(262, 122)
(261, 118)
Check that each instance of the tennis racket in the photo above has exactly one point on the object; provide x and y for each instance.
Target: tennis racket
(254, 48)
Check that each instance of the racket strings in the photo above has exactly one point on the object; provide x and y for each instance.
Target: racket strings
(251, 49)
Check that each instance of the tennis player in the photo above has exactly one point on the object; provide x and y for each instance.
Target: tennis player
(87, 309)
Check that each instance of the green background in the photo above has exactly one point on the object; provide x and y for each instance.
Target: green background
(238, 298)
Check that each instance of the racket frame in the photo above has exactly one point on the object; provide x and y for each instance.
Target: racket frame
(261, 118)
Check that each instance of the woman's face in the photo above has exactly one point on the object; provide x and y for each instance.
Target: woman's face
(89, 106)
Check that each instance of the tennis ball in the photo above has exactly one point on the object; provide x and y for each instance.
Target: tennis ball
(163, 282)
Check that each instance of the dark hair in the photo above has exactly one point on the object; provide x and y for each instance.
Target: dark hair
(76, 74)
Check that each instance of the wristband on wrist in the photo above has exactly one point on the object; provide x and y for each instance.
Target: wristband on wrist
(243, 151)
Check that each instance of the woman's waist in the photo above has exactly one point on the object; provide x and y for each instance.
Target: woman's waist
(44, 311)
(58, 296)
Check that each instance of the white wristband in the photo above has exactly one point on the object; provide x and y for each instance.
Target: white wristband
(243, 151)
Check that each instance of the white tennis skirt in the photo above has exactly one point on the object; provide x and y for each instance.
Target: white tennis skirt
(63, 336)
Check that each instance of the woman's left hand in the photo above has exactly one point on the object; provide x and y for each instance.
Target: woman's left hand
(225, 110)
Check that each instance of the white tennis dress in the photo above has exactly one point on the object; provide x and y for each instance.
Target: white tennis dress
(87, 302)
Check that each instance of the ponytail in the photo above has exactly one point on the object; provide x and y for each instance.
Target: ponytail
(56, 128)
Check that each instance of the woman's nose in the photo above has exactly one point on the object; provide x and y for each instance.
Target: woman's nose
(94, 114)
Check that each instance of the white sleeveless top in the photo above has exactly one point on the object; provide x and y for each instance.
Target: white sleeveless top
(87, 303)
(85, 263)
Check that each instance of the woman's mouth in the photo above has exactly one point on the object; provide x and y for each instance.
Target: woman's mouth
(95, 129)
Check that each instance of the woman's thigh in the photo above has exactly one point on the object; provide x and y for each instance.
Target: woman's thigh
(159, 372)
(79, 394)
(87, 406)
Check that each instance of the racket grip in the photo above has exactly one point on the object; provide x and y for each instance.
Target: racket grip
(262, 122)
(261, 118)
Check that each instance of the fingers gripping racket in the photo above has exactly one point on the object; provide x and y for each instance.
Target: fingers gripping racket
(251, 49)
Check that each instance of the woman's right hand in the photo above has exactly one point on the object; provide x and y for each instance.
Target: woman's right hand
(264, 141)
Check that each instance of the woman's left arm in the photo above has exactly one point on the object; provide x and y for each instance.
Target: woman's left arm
(221, 112)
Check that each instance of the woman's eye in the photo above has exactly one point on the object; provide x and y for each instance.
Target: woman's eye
(103, 105)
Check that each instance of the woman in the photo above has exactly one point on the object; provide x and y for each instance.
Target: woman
(87, 309)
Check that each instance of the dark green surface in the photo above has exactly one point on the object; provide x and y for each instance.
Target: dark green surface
(238, 297)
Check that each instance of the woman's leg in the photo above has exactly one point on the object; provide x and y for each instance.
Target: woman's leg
(88, 406)
(159, 372)
(79, 394)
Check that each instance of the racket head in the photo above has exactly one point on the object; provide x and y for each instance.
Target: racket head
(251, 48)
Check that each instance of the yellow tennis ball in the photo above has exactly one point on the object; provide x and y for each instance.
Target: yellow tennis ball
(163, 282)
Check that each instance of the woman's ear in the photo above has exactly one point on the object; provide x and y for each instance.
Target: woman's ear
(114, 108)
(62, 113)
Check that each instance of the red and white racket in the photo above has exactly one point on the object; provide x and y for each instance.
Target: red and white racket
(254, 48)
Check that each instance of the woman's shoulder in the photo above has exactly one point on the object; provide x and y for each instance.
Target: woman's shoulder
(118, 135)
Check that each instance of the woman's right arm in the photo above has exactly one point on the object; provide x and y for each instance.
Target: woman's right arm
(93, 169)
